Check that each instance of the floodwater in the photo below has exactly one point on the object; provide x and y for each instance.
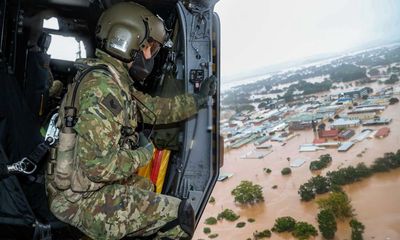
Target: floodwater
(376, 200)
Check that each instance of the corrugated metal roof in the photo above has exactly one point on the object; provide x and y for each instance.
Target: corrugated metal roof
(345, 146)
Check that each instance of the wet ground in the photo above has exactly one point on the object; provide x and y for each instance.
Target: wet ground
(376, 200)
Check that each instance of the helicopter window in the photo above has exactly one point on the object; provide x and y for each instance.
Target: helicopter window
(66, 48)
(51, 23)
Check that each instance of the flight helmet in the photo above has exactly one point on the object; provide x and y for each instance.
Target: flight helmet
(127, 27)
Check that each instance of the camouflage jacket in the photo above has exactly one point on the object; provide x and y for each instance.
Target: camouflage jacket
(105, 106)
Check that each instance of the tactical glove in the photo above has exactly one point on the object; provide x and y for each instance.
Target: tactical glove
(145, 143)
(207, 88)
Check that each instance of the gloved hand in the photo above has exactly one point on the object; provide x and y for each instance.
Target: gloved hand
(208, 88)
(145, 142)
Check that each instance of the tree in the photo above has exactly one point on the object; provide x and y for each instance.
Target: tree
(248, 193)
(320, 184)
(303, 230)
(228, 214)
(211, 221)
(323, 162)
(263, 234)
(327, 224)
(362, 171)
(286, 171)
(393, 79)
(393, 101)
(206, 230)
(381, 165)
(306, 192)
(373, 72)
(212, 200)
(284, 224)
(242, 108)
(338, 203)
(240, 224)
(267, 170)
(214, 235)
(347, 73)
(343, 176)
(357, 229)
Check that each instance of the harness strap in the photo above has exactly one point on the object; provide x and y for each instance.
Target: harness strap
(27, 165)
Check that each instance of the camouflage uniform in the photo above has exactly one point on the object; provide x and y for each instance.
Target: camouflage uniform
(126, 204)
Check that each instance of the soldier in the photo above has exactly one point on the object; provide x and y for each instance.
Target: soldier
(92, 183)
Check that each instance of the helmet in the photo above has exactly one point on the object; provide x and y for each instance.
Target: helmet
(126, 27)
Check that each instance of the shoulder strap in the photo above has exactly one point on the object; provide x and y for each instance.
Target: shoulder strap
(71, 103)
(28, 165)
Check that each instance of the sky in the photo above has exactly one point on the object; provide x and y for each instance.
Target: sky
(258, 33)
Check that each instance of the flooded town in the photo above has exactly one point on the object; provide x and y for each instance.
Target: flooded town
(355, 119)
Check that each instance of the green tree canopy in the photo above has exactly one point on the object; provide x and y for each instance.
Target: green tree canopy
(263, 234)
(303, 231)
(327, 224)
(286, 171)
(284, 224)
(248, 193)
(323, 162)
(211, 221)
(347, 73)
(338, 203)
(320, 184)
(306, 192)
(228, 214)
(393, 100)
(357, 229)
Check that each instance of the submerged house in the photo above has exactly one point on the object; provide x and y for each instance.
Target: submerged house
(333, 133)
(345, 146)
(345, 123)
(382, 132)
(347, 134)
(355, 93)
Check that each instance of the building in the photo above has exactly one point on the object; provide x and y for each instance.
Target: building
(347, 134)
(355, 93)
(328, 133)
(377, 121)
(382, 132)
(332, 110)
(360, 116)
(345, 146)
(344, 123)
(362, 135)
(367, 109)
(343, 101)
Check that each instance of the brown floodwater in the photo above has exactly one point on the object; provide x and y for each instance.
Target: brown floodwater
(376, 200)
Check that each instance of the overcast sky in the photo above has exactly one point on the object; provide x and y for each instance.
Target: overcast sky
(257, 33)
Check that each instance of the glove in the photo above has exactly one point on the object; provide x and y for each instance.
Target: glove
(207, 88)
(145, 143)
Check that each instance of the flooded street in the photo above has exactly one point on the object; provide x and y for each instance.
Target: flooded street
(376, 200)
